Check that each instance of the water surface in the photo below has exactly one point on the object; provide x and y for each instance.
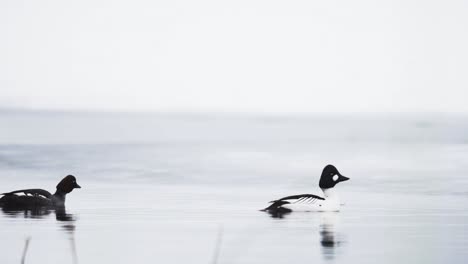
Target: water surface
(183, 188)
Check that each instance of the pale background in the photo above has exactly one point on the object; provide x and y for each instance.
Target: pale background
(268, 56)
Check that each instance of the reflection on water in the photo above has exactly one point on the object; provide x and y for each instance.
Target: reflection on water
(66, 221)
(330, 237)
(62, 215)
(36, 212)
(39, 212)
(279, 213)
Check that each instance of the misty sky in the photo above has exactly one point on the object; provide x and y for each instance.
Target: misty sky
(238, 55)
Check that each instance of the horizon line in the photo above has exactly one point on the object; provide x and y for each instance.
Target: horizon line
(218, 111)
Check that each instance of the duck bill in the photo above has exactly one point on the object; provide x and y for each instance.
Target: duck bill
(77, 186)
(342, 178)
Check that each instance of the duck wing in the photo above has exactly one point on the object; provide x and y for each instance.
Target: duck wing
(32, 192)
(300, 198)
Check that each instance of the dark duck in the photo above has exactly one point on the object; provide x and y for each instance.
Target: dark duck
(32, 198)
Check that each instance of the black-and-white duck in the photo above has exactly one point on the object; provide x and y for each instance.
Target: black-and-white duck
(310, 202)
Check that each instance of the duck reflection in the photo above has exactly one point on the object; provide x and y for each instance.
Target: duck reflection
(66, 220)
(279, 213)
(39, 213)
(33, 212)
(330, 237)
(62, 215)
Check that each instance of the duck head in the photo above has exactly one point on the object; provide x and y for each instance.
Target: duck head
(330, 177)
(67, 184)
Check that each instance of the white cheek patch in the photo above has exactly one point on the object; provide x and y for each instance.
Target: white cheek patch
(335, 178)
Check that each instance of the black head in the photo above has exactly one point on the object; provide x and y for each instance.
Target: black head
(68, 184)
(330, 177)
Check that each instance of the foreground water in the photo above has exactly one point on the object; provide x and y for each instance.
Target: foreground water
(178, 188)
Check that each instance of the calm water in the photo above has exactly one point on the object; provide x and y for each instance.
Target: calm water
(182, 188)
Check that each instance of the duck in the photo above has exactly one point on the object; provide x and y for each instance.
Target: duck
(33, 198)
(310, 202)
